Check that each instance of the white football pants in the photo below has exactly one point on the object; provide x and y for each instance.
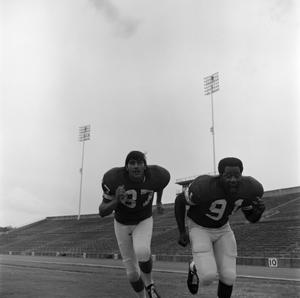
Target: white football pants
(134, 243)
(214, 252)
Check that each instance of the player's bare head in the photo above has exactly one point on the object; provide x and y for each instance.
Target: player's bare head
(230, 162)
(230, 170)
(135, 155)
(136, 165)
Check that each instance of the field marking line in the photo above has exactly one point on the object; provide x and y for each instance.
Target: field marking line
(48, 269)
(154, 270)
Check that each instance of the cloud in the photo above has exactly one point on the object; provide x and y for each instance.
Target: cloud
(124, 26)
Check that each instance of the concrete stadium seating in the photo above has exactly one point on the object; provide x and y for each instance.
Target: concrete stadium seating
(276, 235)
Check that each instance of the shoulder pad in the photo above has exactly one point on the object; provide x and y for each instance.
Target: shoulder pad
(199, 188)
(111, 180)
(252, 186)
(159, 175)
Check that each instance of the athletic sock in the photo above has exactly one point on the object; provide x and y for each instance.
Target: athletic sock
(224, 291)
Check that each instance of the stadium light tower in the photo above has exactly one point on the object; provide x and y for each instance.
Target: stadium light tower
(211, 85)
(84, 135)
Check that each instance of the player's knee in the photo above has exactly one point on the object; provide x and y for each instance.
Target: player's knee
(228, 276)
(133, 276)
(132, 270)
(206, 267)
(207, 278)
(143, 253)
(146, 267)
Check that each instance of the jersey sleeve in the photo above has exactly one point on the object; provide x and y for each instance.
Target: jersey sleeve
(106, 196)
(198, 190)
(109, 185)
(188, 196)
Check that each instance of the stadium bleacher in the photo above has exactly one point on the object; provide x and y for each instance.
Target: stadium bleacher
(276, 235)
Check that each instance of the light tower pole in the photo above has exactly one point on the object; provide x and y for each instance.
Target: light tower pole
(84, 135)
(211, 85)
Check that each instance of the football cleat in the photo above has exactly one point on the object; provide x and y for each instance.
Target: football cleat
(152, 293)
(193, 279)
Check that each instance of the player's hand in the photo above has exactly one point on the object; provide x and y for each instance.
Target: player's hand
(120, 192)
(159, 208)
(184, 239)
(258, 206)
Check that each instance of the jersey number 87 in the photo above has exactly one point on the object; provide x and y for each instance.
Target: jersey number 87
(131, 196)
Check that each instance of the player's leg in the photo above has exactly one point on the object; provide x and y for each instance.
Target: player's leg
(203, 254)
(226, 253)
(125, 243)
(142, 235)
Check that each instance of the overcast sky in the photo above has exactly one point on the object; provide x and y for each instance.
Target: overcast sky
(133, 70)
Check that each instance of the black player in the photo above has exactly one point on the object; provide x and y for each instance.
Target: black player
(211, 200)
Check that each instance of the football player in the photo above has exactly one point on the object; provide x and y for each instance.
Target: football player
(211, 201)
(129, 192)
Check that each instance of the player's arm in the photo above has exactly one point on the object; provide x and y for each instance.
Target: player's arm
(254, 211)
(159, 206)
(110, 202)
(180, 210)
(108, 205)
(162, 177)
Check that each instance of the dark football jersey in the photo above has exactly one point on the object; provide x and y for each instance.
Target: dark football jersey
(211, 206)
(137, 204)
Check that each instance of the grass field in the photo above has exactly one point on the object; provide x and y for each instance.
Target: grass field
(51, 280)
